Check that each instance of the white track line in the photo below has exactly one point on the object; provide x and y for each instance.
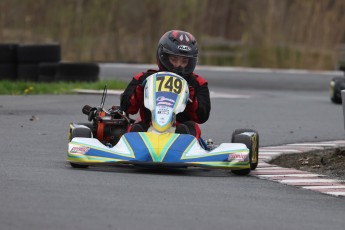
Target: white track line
(280, 150)
(293, 175)
(315, 144)
(335, 193)
(269, 153)
(271, 168)
(310, 180)
(324, 187)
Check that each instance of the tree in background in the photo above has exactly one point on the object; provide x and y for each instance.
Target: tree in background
(259, 33)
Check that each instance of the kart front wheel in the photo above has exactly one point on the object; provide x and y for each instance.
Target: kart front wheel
(255, 145)
(248, 141)
(79, 132)
(78, 166)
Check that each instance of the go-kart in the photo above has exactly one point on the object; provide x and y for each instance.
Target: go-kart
(105, 141)
(336, 85)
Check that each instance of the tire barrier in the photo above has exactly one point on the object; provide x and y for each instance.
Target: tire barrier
(28, 72)
(41, 62)
(8, 71)
(39, 53)
(77, 72)
(29, 58)
(47, 72)
(8, 53)
(8, 61)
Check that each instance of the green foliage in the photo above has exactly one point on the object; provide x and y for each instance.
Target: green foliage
(282, 34)
(286, 57)
(25, 88)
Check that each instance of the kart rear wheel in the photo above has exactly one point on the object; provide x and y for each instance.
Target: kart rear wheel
(79, 132)
(247, 140)
(255, 143)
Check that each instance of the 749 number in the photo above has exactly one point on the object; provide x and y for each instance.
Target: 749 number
(169, 84)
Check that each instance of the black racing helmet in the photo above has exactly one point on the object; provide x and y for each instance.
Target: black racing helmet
(179, 43)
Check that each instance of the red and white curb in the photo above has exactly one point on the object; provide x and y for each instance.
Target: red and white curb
(294, 177)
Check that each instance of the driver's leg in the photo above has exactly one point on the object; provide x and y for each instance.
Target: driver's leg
(182, 129)
(138, 127)
(193, 128)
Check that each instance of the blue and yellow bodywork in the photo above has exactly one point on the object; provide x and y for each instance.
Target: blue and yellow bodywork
(153, 148)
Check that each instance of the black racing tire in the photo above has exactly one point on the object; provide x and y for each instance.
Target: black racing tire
(247, 140)
(335, 86)
(39, 53)
(8, 71)
(79, 132)
(8, 52)
(78, 166)
(88, 72)
(47, 72)
(255, 140)
(27, 72)
(87, 124)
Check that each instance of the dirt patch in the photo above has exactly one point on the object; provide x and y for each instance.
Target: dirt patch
(330, 162)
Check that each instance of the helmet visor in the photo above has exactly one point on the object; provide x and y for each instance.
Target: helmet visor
(182, 64)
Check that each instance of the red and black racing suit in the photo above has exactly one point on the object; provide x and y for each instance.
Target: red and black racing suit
(196, 112)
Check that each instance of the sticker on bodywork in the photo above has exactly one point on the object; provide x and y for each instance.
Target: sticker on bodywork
(79, 149)
(238, 157)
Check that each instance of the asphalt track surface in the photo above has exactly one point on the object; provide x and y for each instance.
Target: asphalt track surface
(39, 190)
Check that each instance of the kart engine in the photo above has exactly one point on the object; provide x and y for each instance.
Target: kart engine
(108, 126)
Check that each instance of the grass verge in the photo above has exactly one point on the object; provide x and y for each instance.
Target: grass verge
(24, 87)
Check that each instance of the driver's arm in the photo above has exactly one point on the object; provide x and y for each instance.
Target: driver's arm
(203, 110)
(199, 106)
(133, 96)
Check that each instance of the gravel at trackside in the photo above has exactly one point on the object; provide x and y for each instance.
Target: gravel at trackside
(330, 162)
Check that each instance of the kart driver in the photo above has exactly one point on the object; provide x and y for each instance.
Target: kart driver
(177, 52)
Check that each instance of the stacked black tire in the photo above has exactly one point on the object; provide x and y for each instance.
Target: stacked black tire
(77, 72)
(31, 57)
(42, 62)
(8, 61)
